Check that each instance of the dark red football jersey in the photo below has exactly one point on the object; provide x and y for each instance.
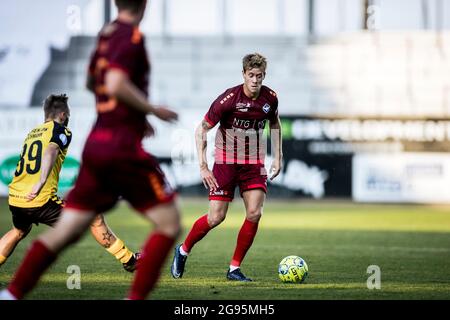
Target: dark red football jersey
(119, 46)
(240, 138)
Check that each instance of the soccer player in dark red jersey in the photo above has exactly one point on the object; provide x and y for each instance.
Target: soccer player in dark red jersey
(114, 164)
(239, 161)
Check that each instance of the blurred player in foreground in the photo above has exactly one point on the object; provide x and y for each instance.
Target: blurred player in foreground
(32, 193)
(239, 160)
(114, 162)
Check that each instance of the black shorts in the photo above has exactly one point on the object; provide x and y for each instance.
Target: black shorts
(48, 214)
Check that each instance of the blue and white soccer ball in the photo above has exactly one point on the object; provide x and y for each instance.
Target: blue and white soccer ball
(293, 269)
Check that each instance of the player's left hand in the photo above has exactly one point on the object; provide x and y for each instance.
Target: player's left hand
(165, 114)
(34, 191)
(275, 169)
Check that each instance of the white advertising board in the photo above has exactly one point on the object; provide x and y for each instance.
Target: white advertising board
(175, 141)
(401, 177)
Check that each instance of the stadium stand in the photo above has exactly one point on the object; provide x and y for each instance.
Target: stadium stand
(355, 74)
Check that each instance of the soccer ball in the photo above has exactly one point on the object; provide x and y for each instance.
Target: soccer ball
(293, 269)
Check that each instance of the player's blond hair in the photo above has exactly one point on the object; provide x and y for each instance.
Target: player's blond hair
(254, 60)
(54, 104)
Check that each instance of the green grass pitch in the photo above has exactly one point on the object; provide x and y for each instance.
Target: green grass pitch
(338, 240)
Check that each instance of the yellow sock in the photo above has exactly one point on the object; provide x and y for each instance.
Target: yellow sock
(2, 259)
(120, 251)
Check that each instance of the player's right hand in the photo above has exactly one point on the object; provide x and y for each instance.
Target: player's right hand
(34, 191)
(208, 179)
(165, 114)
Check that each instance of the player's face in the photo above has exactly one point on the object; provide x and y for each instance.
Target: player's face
(64, 116)
(253, 79)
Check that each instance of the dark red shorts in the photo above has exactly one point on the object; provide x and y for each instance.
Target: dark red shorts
(105, 178)
(246, 176)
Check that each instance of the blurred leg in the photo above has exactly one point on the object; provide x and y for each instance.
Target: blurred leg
(166, 219)
(45, 249)
(9, 242)
(70, 227)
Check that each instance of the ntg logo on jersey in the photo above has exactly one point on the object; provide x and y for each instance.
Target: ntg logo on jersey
(67, 175)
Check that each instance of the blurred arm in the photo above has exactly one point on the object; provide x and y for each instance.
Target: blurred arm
(119, 86)
(90, 83)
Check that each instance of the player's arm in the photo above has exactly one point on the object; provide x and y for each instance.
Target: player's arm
(119, 86)
(90, 83)
(48, 160)
(276, 143)
(90, 79)
(201, 142)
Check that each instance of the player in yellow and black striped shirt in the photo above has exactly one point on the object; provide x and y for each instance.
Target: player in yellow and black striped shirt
(33, 191)
(51, 139)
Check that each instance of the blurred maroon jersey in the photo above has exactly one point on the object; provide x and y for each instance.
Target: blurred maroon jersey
(114, 164)
(120, 46)
(240, 137)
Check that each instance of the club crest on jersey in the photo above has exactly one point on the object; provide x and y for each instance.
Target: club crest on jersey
(63, 139)
(266, 108)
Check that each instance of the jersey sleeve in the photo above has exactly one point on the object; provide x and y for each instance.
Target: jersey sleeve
(61, 136)
(124, 54)
(218, 108)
